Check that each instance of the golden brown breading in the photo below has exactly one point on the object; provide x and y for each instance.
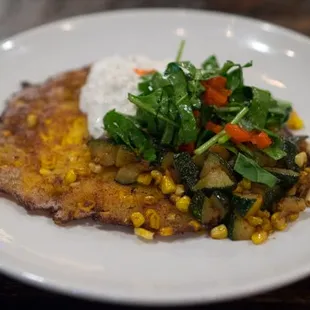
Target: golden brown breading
(44, 161)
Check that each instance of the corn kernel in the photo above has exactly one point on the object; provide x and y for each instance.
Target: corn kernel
(144, 179)
(70, 177)
(263, 214)
(179, 190)
(32, 120)
(137, 219)
(183, 203)
(246, 184)
(174, 198)
(301, 159)
(144, 233)
(294, 121)
(278, 222)
(219, 232)
(293, 217)
(154, 218)
(255, 220)
(167, 185)
(196, 225)
(45, 172)
(166, 231)
(149, 200)
(95, 168)
(157, 176)
(266, 225)
(259, 237)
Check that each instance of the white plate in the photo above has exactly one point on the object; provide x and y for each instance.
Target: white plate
(109, 264)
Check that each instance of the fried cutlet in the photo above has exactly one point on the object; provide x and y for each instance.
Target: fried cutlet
(45, 162)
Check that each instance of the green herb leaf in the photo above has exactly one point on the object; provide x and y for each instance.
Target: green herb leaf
(124, 130)
(226, 67)
(275, 151)
(250, 170)
(235, 76)
(188, 68)
(241, 96)
(151, 104)
(228, 113)
(235, 79)
(279, 114)
(211, 64)
(258, 110)
(177, 79)
(145, 85)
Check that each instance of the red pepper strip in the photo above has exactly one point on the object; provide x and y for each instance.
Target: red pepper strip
(261, 140)
(218, 82)
(215, 97)
(189, 147)
(216, 93)
(237, 133)
(142, 72)
(213, 127)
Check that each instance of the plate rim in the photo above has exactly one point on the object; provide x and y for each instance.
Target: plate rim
(241, 292)
(278, 28)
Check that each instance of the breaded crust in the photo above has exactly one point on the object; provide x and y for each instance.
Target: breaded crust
(43, 137)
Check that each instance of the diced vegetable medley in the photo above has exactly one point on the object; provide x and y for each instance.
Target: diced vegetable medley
(218, 148)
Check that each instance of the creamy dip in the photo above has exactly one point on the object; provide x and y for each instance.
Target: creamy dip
(107, 87)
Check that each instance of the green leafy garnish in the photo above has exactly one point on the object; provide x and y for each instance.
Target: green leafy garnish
(258, 110)
(188, 129)
(173, 108)
(275, 151)
(124, 130)
(235, 77)
(250, 170)
(151, 104)
(211, 64)
(279, 114)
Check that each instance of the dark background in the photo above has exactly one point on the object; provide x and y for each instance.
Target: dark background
(17, 15)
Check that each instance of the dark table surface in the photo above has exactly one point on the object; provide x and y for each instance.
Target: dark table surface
(17, 15)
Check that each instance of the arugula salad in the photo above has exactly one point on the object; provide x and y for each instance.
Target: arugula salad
(226, 144)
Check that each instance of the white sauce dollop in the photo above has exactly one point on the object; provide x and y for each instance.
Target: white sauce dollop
(107, 87)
